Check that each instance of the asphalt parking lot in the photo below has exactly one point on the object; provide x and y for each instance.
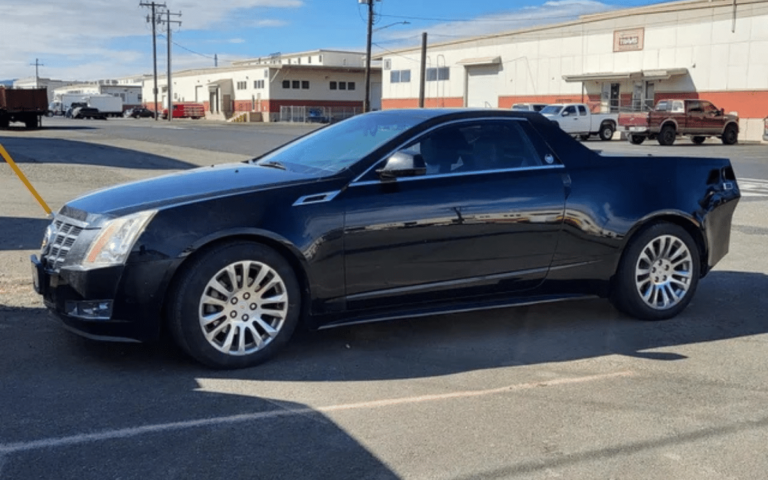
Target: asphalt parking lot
(569, 390)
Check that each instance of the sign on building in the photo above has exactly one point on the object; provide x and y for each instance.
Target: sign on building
(628, 40)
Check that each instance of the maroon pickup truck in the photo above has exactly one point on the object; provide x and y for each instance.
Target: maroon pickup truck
(698, 119)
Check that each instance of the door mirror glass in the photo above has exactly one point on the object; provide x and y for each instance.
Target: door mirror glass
(565, 113)
(403, 164)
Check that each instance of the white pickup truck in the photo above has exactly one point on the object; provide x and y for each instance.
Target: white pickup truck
(576, 119)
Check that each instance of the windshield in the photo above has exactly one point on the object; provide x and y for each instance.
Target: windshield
(334, 148)
(551, 110)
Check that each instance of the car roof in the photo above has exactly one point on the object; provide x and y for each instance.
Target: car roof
(435, 113)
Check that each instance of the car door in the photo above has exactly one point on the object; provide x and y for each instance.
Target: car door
(570, 121)
(484, 220)
(711, 119)
(694, 118)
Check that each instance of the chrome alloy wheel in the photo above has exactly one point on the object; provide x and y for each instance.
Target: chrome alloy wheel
(663, 272)
(243, 308)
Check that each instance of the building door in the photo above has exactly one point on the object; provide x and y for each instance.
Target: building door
(482, 85)
(375, 95)
(615, 97)
(650, 94)
(197, 93)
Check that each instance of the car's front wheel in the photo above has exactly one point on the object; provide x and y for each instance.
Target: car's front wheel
(235, 306)
(658, 273)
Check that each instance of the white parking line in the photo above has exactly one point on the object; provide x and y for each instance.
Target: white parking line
(752, 187)
(123, 433)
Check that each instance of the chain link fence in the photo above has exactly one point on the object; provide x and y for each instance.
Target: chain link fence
(304, 114)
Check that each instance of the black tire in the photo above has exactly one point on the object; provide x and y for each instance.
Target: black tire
(606, 131)
(699, 140)
(31, 123)
(583, 138)
(636, 139)
(4, 123)
(730, 135)
(667, 135)
(625, 294)
(185, 304)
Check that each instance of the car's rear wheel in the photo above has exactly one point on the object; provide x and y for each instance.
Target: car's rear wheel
(636, 139)
(699, 140)
(658, 273)
(235, 306)
(606, 131)
(730, 135)
(667, 135)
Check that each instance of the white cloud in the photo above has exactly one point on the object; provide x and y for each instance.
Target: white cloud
(269, 22)
(236, 40)
(554, 11)
(86, 35)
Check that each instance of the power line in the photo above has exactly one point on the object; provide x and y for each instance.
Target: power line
(187, 49)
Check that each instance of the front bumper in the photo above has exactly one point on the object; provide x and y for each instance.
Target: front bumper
(121, 303)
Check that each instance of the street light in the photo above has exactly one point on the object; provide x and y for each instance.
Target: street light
(391, 25)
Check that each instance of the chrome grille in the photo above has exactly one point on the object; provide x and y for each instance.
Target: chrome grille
(65, 235)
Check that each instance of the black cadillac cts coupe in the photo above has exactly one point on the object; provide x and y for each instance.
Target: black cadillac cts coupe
(394, 214)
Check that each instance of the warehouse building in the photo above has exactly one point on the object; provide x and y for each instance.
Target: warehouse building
(333, 81)
(130, 94)
(619, 60)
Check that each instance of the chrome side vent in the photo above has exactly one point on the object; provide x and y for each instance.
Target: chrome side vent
(316, 198)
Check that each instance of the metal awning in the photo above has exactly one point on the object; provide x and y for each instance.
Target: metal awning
(656, 74)
(214, 85)
(480, 61)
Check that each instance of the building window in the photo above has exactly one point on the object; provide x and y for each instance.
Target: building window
(139, 97)
(309, 59)
(305, 84)
(320, 58)
(342, 85)
(333, 85)
(350, 85)
(400, 76)
(441, 73)
(286, 84)
(296, 84)
(258, 84)
(266, 73)
(387, 64)
(242, 85)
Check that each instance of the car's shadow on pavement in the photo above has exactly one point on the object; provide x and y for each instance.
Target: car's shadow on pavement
(21, 233)
(55, 151)
(726, 305)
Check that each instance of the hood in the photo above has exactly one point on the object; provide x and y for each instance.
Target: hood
(182, 187)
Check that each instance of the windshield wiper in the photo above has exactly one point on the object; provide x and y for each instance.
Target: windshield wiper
(272, 164)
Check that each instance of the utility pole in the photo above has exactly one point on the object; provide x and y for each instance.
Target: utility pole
(37, 64)
(367, 100)
(423, 76)
(215, 60)
(168, 22)
(153, 18)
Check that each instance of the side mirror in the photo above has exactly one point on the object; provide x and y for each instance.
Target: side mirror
(565, 113)
(403, 164)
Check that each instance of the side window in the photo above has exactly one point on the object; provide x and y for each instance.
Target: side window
(677, 107)
(477, 146)
(582, 110)
(707, 107)
(570, 110)
(694, 106)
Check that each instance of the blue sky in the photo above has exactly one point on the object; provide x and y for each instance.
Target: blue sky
(93, 39)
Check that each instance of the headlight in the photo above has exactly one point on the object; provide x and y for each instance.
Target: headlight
(115, 241)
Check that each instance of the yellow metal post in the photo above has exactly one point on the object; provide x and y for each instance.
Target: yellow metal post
(23, 178)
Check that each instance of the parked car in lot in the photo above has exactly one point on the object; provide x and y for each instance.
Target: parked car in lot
(698, 119)
(88, 112)
(386, 215)
(139, 112)
(186, 110)
(529, 107)
(576, 119)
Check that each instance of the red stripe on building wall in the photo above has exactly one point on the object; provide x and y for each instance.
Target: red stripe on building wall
(752, 104)
(444, 102)
(274, 105)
